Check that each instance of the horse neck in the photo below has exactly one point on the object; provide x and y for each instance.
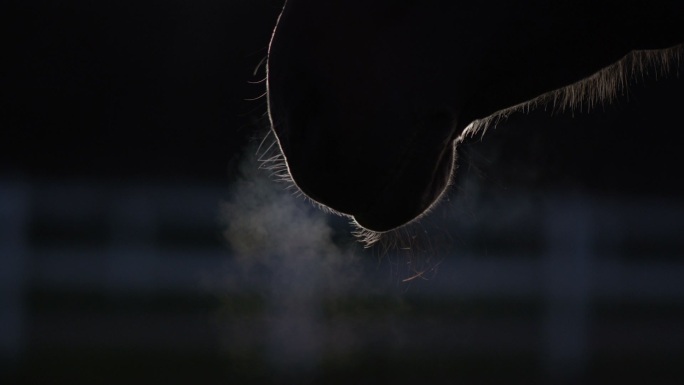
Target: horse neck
(555, 44)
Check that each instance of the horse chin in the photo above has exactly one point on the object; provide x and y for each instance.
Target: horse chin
(381, 193)
(410, 197)
(379, 207)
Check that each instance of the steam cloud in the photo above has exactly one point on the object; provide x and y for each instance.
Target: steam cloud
(283, 249)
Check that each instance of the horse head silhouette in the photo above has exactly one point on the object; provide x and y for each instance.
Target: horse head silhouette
(368, 100)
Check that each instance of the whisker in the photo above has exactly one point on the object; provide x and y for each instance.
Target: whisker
(256, 98)
(257, 81)
(259, 65)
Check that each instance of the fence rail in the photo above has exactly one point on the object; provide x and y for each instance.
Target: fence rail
(582, 259)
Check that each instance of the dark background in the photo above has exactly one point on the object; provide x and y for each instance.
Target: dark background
(134, 89)
(163, 89)
(119, 118)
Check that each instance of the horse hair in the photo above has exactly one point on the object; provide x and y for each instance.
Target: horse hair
(605, 86)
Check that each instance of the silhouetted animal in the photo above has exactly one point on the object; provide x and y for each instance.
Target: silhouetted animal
(369, 98)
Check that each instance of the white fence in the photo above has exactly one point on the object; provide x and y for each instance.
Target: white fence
(583, 240)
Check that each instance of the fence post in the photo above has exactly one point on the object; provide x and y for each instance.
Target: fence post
(132, 257)
(567, 271)
(14, 212)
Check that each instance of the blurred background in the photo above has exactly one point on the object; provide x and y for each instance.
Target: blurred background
(139, 242)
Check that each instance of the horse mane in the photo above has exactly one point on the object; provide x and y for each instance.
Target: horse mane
(603, 87)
